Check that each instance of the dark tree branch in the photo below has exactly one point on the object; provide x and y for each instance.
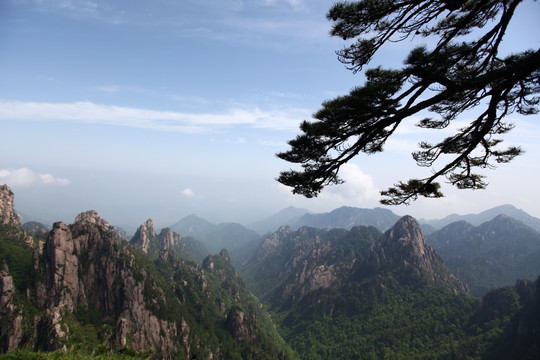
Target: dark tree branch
(448, 81)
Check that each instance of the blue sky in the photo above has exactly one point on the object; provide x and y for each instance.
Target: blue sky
(159, 109)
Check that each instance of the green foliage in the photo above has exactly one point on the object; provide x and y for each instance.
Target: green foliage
(100, 353)
(379, 311)
(458, 74)
(491, 255)
(17, 256)
(403, 323)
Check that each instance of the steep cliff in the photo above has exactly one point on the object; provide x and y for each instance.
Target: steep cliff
(85, 287)
(11, 318)
(150, 243)
(291, 264)
(359, 293)
(8, 216)
(16, 248)
(403, 252)
(88, 269)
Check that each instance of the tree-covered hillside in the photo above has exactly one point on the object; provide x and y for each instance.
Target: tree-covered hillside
(361, 294)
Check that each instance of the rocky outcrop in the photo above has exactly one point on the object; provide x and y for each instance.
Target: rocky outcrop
(62, 265)
(153, 244)
(11, 318)
(10, 219)
(403, 251)
(241, 326)
(84, 285)
(145, 236)
(8, 216)
(85, 263)
(295, 263)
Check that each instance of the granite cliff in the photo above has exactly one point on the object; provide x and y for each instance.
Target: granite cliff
(84, 286)
(150, 243)
(291, 264)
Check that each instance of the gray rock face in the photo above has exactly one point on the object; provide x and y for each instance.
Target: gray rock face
(62, 267)
(11, 324)
(7, 210)
(404, 249)
(85, 263)
(145, 236)
(295, 264)
(240, 326)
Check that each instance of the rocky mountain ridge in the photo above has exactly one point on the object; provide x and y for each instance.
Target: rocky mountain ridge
(334, 293)
(492, 254)
(236, 238)
(289, 264)
(151, 244)
(485, 216)
(89, 287)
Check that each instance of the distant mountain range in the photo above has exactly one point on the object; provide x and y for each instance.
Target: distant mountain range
(347, 217)
(492, 254)
(236, 238)
(487, 215)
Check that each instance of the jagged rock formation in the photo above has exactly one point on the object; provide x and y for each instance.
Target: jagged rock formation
(7, 209)
(403, 250)
(292, 264)
(11, 325)
(85, 286)
(84, 263)
(144, 236)
(152, 244)
(361, 293)
(240, 326)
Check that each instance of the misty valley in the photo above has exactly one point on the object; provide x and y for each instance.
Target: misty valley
(349, 284)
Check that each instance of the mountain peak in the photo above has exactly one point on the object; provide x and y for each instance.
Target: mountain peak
(406, 232)
(403, 250)
(7, 209)
(91, 217)
(144, 236)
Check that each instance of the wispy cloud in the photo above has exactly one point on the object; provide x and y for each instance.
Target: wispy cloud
(188, 193)
(89, 112)
(24, 177)
(357, 190)
(358, 187)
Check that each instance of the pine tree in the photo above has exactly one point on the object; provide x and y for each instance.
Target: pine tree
(454, 76)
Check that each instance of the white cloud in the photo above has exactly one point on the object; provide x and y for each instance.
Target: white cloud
(295, 4)
(358, 190)
(88, 112)
(188, 193)
(24, 177)
(358, 187)
(50, 179)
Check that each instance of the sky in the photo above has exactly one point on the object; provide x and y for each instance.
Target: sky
(161, 109)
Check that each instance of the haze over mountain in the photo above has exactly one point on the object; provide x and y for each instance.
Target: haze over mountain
(492, 254)
(236, 238)
(346, 294)
(487, 215)
(346, 217)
